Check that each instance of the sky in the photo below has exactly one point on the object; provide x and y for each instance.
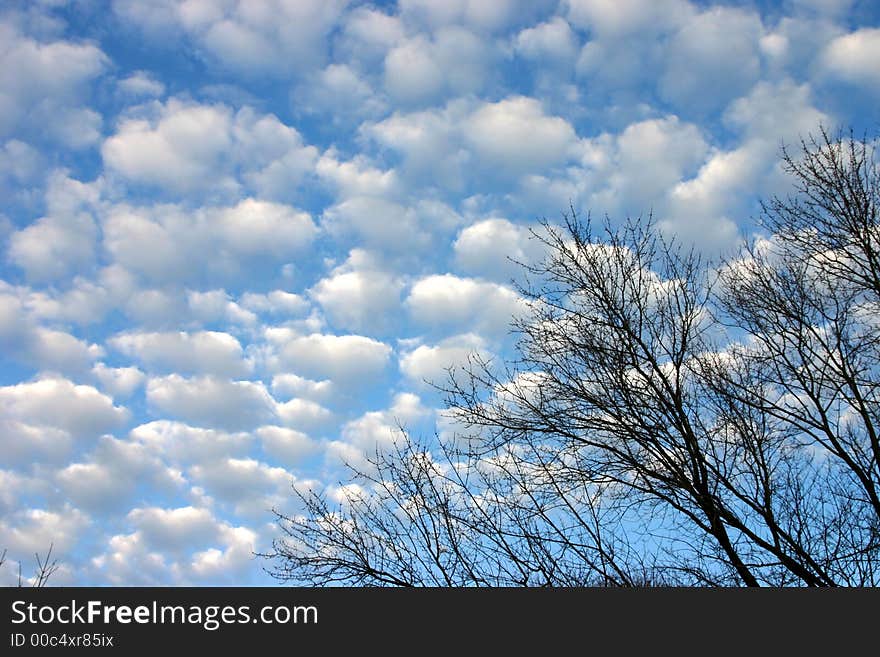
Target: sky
(239, 238)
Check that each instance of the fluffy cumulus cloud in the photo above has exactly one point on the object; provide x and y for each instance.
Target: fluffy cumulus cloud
(106, 479)
(515, 134)
(501, 140)
(169, 243)
(453, 61)
(183, 147)
(28, 342)
(44, 87)
(62, 242)
(181, 544)
(211, 402)
(287, 445)
(204, 352)
(713, 58)
(118, 381)
(360, 296)
(241, 238)
(29, 531)
(349, 361)
(433, 363)
(376, 430)
(624, 17)
(454, 302)
(851, 57)
(386, 225)
(266, 37)
(237, 480)
(59, 403)
(182, 445)
(497, 249)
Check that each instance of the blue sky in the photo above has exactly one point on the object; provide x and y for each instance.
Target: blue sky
(238, 236)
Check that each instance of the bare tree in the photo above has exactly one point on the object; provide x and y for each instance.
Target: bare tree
(667, 420)
(44, 569)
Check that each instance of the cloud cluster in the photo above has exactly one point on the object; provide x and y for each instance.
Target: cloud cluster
(182, 147)
(241, 237)
(44, 87)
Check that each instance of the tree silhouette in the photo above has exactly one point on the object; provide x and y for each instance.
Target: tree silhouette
(45, 568)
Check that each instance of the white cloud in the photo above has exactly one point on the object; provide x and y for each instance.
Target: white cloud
(106, 479)
(356, 177)
(13, 486)
(182, 444)
(42, 86)
(84, 302)
(339, 92)
(212, 402)
(358, 296)
(287, 445)
(482, 15)
(29, 443)
(128, 561)
(231, 562)
(344, 250)
(30, 531)
(375, 222)
(203, 352)
(775, 112)
(272, 155)
(254, 228)
(428, 141)
(553, 39)
(143, 245)
(59, 351)
(263, 37)
(631, 172)
(181, 148)
(701, 209)
(25, 341)
(616, 18)
(184, 545)
(168, 243)
(493, 248)
(78, 409)
(516, 135)
(454, 62)
(344, 359)
(240, 480)
(498, 140)
(853, 57)
(304, 413)
(174, 529)
(291, 385)
(429, 363)
(448, 301)
(93, 486)
(712, 59)
(376, 430)
(118, 381)
(276, 302)
(20, 163)
(141, 84)
(51, 247)
(184, 147)
(62, 242)
(217, 306)
(155, 308)
(367, 34)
